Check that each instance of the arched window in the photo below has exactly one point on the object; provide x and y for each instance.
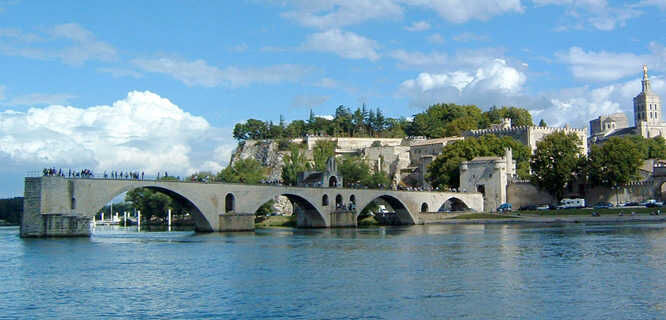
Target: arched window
(229, 203)
(352, 199)
(424, 207)
(338, 202)
(324, 200)
(333, 182)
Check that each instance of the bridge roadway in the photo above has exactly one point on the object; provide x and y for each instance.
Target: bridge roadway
(58, 206)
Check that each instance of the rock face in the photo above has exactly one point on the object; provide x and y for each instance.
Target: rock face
(266, 152)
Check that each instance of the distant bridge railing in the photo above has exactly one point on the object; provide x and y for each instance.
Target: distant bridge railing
(37, 174)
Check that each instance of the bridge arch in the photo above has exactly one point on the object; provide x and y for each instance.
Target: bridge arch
(400, 215)
(202, 223)
(424, 207)
(453, 204)
(307, 213)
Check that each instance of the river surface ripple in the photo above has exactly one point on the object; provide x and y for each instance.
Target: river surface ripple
(572, 271)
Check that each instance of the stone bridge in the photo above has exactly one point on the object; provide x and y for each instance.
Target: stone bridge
(58, 206)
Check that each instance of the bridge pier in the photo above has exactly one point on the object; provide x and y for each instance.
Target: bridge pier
(343, 219)
(236, 222)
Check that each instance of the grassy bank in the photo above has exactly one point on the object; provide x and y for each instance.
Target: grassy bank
(588, 212)
(275, 221)
(481, 216)
(368, 222)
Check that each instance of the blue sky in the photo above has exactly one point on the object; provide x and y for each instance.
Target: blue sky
(158, 85)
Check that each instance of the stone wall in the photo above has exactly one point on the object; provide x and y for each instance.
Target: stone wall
(634, 192)
(525, 193)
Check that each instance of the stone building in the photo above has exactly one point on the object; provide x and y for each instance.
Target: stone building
(489, 176)
(528, 135)
(422, 153)
(607, 124)
(328, 178)
(648, 121)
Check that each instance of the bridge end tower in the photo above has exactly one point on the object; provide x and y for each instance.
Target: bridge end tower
(49, 210)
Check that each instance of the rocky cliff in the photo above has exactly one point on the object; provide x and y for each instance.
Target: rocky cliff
(264, 151)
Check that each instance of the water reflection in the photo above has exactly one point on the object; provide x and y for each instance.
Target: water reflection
(416, 272)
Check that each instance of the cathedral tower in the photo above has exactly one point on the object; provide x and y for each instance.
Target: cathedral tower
(647, 107)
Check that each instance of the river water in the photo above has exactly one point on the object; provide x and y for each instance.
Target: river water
(572, 271)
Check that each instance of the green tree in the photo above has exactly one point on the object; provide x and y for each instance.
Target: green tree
(432, 123)
(323, 149)
(248, 171)
(354, 170)
(377, 180)
(556, 162)
(519, 116)
(444, 171)
(151, 203)
(542, 123)
(294, 164)
(615, 162)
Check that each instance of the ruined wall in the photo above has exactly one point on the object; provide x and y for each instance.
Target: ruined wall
(524, 193)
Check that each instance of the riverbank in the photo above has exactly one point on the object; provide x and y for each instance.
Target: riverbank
(556, 219)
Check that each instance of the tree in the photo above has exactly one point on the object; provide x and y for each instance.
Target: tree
(433, 122)
(323, 149)
(556, 162)
(542, 123)
(248, 171)
(444, 171)
(519, 116)
(354, 170)
(151, 203)
(294, 164)
(615, 162)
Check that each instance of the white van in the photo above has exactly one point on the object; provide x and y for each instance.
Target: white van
(571, 203)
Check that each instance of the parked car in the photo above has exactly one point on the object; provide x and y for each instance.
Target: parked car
(603, 205)
(530, 207)
(631, 204)
(545, 206)
(571, 203)
(652, 203)
(504, 207)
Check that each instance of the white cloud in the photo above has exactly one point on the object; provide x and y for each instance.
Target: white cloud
(70, 43)
(339, 13)
(609, 66)
(121, 72)
(577, 106)
(345, 44)
(325, 116)
(435, 38)
(200, 73)
(459, 11)
(239, 48)
(141, 132)
(596, 13)
(469, 37)
(494, 82)
(36, 99)
(309, 101)
(418, 26)
(416, 58)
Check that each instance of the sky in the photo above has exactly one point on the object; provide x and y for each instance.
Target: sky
(157, 86)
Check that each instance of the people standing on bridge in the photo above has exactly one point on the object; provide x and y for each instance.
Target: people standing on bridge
(141, 175)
